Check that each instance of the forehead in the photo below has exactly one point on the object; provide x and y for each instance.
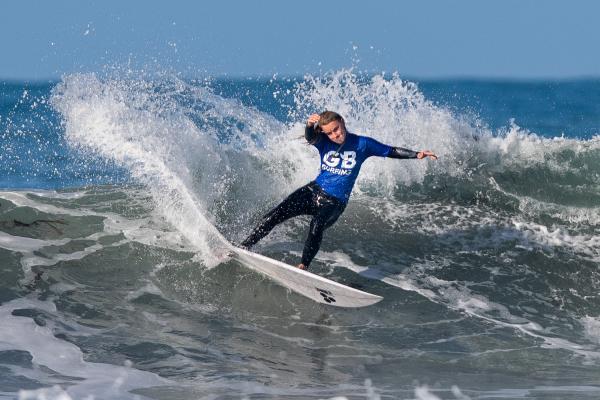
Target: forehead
(331, 125)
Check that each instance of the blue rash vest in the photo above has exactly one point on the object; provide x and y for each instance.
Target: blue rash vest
(340, 165)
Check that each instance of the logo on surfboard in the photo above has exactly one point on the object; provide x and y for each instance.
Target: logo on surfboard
(327, 295)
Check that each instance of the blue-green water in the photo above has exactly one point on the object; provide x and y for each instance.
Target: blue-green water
(112, 285)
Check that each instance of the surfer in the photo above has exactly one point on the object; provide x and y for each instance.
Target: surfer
(342, 154)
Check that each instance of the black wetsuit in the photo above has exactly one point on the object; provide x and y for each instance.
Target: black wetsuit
(308, 200)
(326, 198)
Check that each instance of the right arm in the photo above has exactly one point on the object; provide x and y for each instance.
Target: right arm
(311, 134)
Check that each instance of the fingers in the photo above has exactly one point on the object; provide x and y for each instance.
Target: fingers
(431, 155)
(313, 119)
(426, 153)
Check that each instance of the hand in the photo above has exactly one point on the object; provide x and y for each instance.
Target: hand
(313, 119)
(426, 153)
(301, 266)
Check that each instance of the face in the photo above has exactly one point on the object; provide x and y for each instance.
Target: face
(335, 131)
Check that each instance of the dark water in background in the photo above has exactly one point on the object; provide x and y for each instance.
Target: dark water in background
(112, 188)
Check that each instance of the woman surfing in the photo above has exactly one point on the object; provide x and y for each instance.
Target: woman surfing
(342, 154)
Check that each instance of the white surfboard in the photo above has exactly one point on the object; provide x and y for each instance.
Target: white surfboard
(313, 286)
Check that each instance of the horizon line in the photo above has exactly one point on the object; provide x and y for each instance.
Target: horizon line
(281, 76)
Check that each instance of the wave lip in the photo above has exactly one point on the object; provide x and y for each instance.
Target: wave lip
(130, 128)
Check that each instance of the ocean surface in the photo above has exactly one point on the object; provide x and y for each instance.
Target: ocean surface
(113, 187)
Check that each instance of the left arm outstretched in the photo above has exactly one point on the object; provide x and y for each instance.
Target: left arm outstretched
(402, 153)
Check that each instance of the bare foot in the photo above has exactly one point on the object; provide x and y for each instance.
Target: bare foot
(301, 266)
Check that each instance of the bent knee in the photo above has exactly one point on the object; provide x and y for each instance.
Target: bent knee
(316, 229)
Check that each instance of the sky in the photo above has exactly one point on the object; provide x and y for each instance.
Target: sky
(519, 39)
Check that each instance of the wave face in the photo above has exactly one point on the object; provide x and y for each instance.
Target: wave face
(119, 192)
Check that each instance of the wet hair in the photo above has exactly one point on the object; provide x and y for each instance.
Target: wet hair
(324, 118)
(327, 117)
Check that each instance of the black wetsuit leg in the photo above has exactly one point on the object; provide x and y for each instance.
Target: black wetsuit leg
(308, 200)
(297, 203)
(328, 211)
